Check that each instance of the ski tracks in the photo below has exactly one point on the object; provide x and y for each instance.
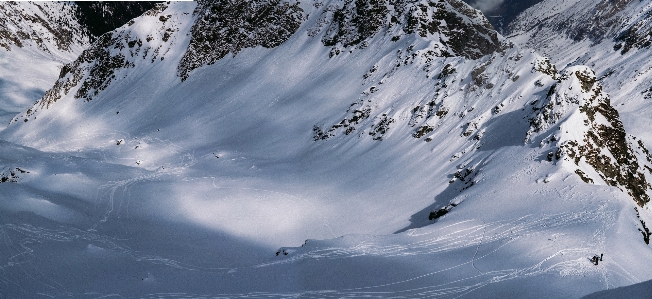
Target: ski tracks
(492, 237)
(18, 253)
(107, 193)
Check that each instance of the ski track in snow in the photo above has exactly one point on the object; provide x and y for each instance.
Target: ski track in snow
(31, 234)
(462, 238)
(469, 245)
(461, 235)
(186, 160)
(112, 187)
(498, 234)
(19, 239)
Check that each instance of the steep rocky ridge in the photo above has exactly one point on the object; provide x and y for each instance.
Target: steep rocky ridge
(224, 27)
(587, 131)
(474, 84)
(221, 28)
(96, 67)
(38, 38)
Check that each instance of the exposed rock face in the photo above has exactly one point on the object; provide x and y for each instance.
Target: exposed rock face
(94, 70)
(636, 32)
(46, 25)
(592, 136)
(446, 28)
(452, 28)
(460, 29)
(224, 27)
(11, 174)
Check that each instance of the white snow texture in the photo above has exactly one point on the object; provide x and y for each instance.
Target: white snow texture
(394, 166)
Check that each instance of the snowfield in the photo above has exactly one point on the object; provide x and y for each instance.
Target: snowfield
(387, 165)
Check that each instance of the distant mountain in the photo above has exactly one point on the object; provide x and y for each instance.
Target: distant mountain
(100, 17)
(502, 13)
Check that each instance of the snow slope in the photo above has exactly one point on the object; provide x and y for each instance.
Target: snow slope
(415, 162)
(36, 40)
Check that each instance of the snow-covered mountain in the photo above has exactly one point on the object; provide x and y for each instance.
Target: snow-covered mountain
(609, 36)
(410, 148)
(36, 39)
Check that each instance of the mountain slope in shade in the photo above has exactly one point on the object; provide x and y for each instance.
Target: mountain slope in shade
(36, 40)
(639, 290)
(190, 168)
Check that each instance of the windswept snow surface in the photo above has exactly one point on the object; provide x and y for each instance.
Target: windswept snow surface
(216, 187)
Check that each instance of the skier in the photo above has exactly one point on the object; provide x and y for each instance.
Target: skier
(595, 260)
(601, 254)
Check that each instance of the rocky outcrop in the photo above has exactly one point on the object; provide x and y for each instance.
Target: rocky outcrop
(49, 26)
(579, 117)
(458, 28)
(224, 27)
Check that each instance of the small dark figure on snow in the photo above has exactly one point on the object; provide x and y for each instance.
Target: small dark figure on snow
(601, 254)
(595, 260)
